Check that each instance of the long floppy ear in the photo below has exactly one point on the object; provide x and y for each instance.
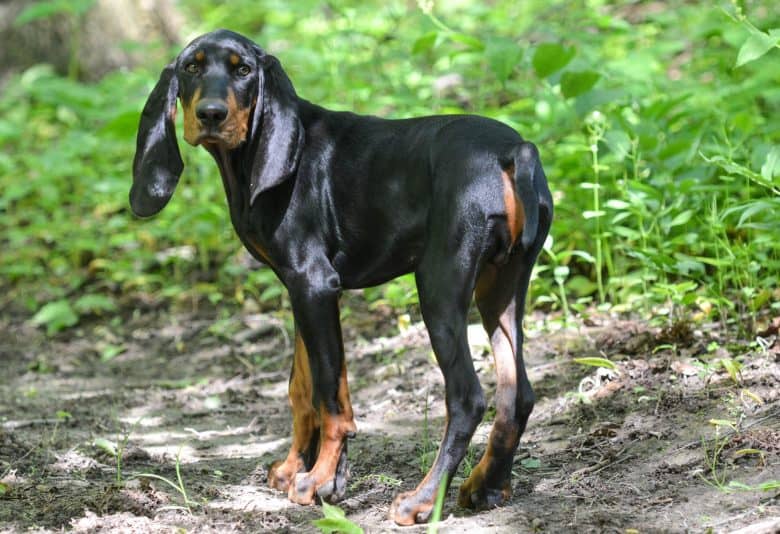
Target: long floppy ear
(157, 164)
(277, 133)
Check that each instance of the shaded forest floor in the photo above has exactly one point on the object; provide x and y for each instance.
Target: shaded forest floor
(604, 451)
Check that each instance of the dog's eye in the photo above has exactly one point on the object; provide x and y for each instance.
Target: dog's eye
(192, 68)
(243, 70)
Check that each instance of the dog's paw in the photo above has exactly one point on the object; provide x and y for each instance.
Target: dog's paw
(282, 473)
(410, 508)
(477, 494)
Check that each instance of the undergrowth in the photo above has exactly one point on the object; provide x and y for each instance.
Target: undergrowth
(657, 130)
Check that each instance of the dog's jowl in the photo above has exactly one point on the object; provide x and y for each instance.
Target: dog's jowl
(333, 200)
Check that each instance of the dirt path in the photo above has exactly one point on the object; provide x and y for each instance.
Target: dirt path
(604, 452)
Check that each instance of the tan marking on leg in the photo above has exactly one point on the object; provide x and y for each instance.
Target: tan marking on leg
(504, 433)
(304, 420)
(334, 430)
(191, 123)
(515, 215)
(260, 251)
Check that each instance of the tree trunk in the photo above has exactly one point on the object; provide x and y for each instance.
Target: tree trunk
(111, 34)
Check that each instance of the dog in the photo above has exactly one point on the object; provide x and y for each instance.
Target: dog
(332, 200)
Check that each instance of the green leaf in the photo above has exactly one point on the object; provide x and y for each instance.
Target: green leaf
(758, 44)
(110, 352)
(593, 214)
(574, 83)
(769, 485)
(471, 42)
(531, 463)
(96, 304)
(681, 218)
(735, 484)
(335, 520)
(332, 512)
(732, 367)
(107, 446)
(619, 142)
(425, 43)
(771, 166)
(596, 362)
(56, 315)
(617, 204)
(503, 55)
(550, 58)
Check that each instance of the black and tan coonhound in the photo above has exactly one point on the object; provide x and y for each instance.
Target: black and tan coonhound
(333, 200)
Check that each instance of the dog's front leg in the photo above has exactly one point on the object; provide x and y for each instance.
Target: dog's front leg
(315, 306)
(305, 424)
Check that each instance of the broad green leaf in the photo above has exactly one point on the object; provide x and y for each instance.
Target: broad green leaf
(110, 352)
(335, 520)
(619, 142)
(106, 445)
(502, 56)
(681, 218)
(56, 315)
(332, 512)
(754, 47)
(96, 304)
(471, 42)
(617, 204)
(549, 58)
(425, 43)
(574, 83)
(531, 463)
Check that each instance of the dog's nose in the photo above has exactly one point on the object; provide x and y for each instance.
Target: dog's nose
(211, 112)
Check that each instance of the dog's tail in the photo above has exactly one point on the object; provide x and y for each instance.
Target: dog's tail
(527, 170)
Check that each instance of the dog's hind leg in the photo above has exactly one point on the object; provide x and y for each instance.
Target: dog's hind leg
(500, 297)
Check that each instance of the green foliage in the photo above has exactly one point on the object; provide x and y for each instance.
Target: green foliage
(657, 129)
(335, 520)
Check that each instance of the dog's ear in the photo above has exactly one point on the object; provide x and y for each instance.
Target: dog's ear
(157, 164)
(276, 134)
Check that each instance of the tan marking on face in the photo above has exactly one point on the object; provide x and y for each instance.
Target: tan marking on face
(234, 59)
(191, 122)
(515, 215)
(200, 55)
(236, 126)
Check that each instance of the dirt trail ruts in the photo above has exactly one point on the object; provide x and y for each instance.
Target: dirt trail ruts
(604, 451)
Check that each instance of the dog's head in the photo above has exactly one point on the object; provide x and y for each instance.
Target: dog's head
(234, 96)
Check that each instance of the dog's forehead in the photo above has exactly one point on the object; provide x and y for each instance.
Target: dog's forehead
(221, 40)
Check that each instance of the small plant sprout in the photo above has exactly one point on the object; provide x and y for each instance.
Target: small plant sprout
(335, 520)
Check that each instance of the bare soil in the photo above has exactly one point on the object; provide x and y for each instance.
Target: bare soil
(603, 452)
